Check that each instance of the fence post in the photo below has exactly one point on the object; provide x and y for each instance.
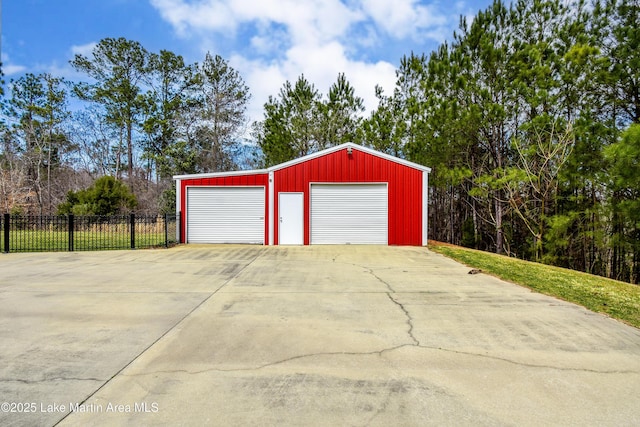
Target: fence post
(132, 223)
(5, 223)
(166, 230)
(71, 226)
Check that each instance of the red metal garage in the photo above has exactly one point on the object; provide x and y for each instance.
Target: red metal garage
(346, 194)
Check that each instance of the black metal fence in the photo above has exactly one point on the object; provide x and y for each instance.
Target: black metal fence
(21, 233)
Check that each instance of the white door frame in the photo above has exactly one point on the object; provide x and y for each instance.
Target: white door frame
(291, 218)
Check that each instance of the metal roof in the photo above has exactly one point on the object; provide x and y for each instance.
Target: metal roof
(307, 158)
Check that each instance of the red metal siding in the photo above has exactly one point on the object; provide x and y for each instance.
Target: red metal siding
(404, 187)
(261, 179)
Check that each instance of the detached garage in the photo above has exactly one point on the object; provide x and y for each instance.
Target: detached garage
(346, 194)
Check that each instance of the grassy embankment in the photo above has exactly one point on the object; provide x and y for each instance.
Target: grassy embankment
(618, 300)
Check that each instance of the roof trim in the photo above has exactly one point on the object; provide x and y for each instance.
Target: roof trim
(221, 174)
(307, 158)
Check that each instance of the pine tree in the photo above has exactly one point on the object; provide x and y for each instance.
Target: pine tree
(117, 67)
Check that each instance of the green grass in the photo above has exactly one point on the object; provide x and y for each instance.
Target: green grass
(47, 241)
(618, 300)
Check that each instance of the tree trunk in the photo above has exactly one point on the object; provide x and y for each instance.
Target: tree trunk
(499, 231)
(130, 155)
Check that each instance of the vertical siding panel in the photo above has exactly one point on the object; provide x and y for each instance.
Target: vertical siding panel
(343, 159)
(356, 166)
(401, 222)
(275, 207)
(346, 164)
(388, 175)
(364, 168)
(304, 187)
(336, 169)
(418, 240)
(397, 214)
(308, 177)
(418, 209)
(405, 213)
(371, 169)
(334, 172)
(393, 206)
(411, 202)
(408, 219)
(401, 214)
(415, 218)
(322, 172)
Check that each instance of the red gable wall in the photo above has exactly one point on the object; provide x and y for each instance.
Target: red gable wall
(404, 187)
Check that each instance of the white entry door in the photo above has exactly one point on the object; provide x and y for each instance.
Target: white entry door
(291, 213)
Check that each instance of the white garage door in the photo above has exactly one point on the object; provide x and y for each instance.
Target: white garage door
(349, 214)
(225, 215)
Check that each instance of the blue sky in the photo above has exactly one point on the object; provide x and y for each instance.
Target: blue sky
(267, 41)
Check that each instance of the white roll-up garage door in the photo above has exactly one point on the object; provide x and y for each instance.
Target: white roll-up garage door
(225, 215)
(349, 214)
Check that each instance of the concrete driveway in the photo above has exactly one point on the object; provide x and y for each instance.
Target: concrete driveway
(328, 335)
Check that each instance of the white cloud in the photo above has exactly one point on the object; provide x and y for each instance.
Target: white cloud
(271, 41)
(315, 19)
(205, 15)
(264, 79)
(9, 69)
(65, 70)
(84, 50)
(320, 66)
(403, 18)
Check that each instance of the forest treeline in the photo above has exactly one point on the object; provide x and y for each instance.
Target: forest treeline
(529, 118)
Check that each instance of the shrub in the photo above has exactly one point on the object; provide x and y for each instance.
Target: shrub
(107, 196)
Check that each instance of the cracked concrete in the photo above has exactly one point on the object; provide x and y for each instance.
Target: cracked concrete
(352, 335)
(409, 320)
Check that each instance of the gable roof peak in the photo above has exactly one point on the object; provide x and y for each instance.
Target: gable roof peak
(352, 146)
